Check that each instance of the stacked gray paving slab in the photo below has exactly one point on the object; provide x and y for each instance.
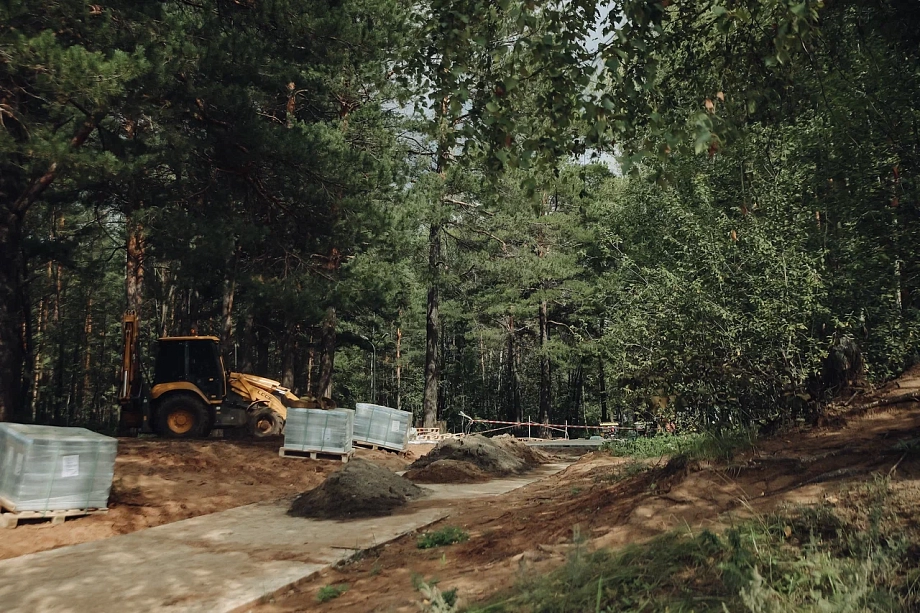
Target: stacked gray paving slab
(46, 468)
(319, 430)
(383, 426)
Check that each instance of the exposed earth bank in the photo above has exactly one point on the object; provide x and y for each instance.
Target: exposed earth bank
(603, 501)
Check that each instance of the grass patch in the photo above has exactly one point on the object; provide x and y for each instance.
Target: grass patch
(855, 557)
(433, 599)
(447, 535)
(910, 446)
(628, 470)
(696, 446)
(331, 592)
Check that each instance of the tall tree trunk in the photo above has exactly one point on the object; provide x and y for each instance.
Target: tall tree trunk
(602, 389)
(38, 356)
(546, 381)
(327, 361)
(512, 396)
(28, 337)
(288, 353)
(72, 408)
(13, 209)
(576, 392)
(226, 312)
(134, 266)
(262, 341)
(249, 343)
(57, 400)
(11, 342)
(311, 359)
(432, 330)
(86, 385)
(167, 307)
(399, 366)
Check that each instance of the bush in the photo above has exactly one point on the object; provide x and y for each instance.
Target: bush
(331, 592)
(445, 536)
(706, 446)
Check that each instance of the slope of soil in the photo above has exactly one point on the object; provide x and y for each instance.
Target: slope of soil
(498, 457)
(160, 481)
(361, 489)
(447, 471)
(602, 501)
(529, 455)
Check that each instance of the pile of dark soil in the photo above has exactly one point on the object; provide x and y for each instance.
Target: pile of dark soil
(447, 471)
(497, 457)
(361, 489)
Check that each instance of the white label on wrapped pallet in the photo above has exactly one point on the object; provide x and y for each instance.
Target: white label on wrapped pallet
(70, 466)
(395, 427)
(17, 467)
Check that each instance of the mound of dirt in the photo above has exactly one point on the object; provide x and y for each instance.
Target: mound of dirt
(447, 471)
(529, 455)
(498, 456)
(361, 489)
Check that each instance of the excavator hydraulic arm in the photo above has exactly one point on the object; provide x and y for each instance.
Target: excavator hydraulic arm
(135, 406)
(130, 384)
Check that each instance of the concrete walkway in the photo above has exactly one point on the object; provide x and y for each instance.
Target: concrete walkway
(213, 563)
(582, 444)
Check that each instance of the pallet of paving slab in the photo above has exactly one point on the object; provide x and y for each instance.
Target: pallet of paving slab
(376, 446)
(284, 452)
(9, 516)
(427, 434)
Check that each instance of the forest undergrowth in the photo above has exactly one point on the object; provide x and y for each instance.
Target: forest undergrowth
(700, 446)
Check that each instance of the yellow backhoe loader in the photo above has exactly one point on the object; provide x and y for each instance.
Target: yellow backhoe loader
(191, 393)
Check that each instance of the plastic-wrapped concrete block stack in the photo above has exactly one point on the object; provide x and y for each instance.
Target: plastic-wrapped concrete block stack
(382, 426)
(45, 468)
(319, 430)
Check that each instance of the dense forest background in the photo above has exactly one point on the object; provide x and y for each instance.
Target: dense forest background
(692, 211)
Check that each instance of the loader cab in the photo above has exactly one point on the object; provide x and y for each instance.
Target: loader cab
(191, 359)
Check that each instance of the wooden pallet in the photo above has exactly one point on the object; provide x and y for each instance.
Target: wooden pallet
(9, 516)
(314, 455)
(376, 446)
(435, 438)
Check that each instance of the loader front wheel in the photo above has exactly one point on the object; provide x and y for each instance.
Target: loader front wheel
(263, 422)
(182, 417)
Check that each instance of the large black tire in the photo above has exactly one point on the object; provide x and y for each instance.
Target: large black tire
(264, 422)
(182, 416)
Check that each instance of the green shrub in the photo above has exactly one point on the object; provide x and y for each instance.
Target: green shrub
(445, 536)
(704, 446)
(331, 592)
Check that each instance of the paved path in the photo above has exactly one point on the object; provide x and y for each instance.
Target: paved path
(213, 563)
(574, 443)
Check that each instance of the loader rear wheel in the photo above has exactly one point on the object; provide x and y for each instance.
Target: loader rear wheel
(265, 422)
(182, 417)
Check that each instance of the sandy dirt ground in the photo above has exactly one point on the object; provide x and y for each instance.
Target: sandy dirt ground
(606, 501)
(598, 501)
(160, 481)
